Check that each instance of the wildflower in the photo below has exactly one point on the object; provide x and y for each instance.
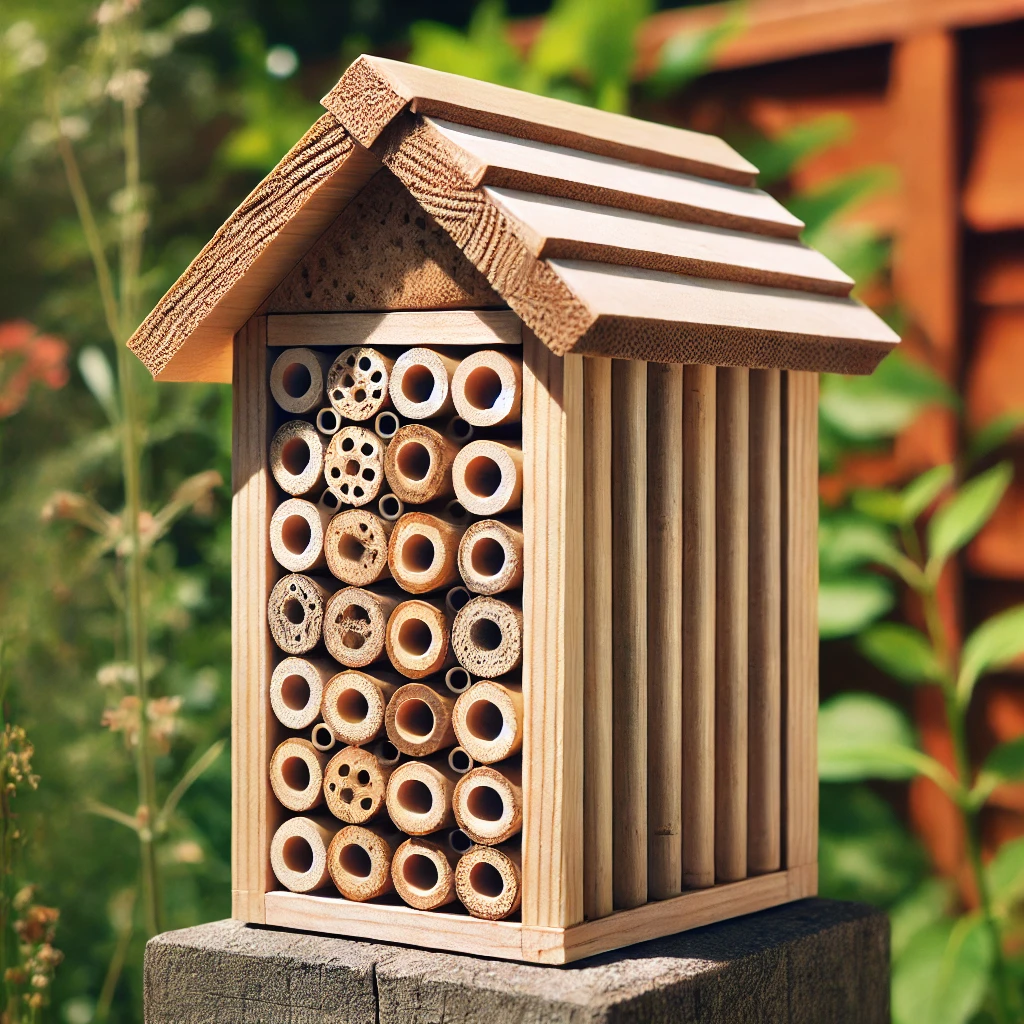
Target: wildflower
(26, 357)
(162, 714)
(129, 87)
(16, 760)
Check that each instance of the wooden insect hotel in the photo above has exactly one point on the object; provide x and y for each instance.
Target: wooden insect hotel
(525, 507)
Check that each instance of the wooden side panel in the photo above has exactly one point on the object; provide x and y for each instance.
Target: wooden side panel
(251, 655)
(800, 623)
(553, 641)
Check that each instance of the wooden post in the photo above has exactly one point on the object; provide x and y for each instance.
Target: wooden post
(665, 628)
(597, 632)
(553, 646)
(731, 566)
(629, 618)
(699, 627)
(764, 759)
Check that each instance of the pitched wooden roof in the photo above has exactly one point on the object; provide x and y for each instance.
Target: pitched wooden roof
(606, 234)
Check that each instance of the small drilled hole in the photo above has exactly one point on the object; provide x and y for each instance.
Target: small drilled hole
(366, 803)
(348, 444)
(296, 380)
(415, 797)
(363, 777)
(420, 872)
(352, 468)
(367, 448)
(295, 773)
(413, 461)
(295, 692)
(352, 707)
(485, 879)
(414, 718)
(364, 363)
(483, 476)
(355, 861)
(297, 854)
(484, 720)
(485, 634)
(293, 611)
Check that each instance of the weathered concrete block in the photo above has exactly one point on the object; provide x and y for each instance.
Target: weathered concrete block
(810, 962)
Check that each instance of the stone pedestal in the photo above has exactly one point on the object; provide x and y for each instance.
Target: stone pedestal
(813, 962)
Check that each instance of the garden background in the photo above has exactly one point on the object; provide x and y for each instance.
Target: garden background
(128, 132)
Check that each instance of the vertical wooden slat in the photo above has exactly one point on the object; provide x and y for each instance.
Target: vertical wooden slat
(764, 787)
(553, 639)
(665, 628)
(731, 490)
(698, 626)
(800, 637)
(254, 810)
(629, 618)
(598, 642)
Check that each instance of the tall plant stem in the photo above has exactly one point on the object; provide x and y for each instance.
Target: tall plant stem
(956, 717)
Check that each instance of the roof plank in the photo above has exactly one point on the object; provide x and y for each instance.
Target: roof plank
(489, 158)
(374, 90)
(563, 229)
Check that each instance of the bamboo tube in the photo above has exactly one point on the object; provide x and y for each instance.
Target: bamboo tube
(488, 637)
(764, 791)
(355, 785)
(629, 616)
(355, 625)
(455, 513)
(458, 680)
(424, 873)
(391, 508)
(297, 458)
(328, 502)
(356, 547)
(420, 795)
(488, 803)
(458, 842)
(386, 425)
(460, 761)
(491, 557)
(298, 854)
(456, 599)
(418, 638)
(297, 774)
(488, 389)
(295, 613)
(423, 552)
(418, 464)
(354, 465)
(328, 421)
(489, 881)
(418, 719)
(386, 752)
(322, 737)
(353, 705)
(698, 627)
(664, 629)
(296, 691)
(732, 434)
(458, 430)
(420, 385)
(488, 477)
(357, 383)
(297, 535)
(359, 859)
(598, 699)
(297, 380)
(488, 720)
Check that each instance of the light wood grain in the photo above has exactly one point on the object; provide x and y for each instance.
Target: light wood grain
(255, 814)
(699, 396)
(565, 229)
(629, 628)
(731, 567)
(664, 628)
(374, 90)
(431, 327)
(764, 729)
(598, 697)
(553, 644)
(801, 619)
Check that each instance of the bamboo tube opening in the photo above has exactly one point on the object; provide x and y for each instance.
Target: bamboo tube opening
(419, 796)
(460, 761)
(420, 872)
(295, 613)
(415, 720)
(297, 458)
(420, 385)
(354, 465)
(355, 785)
(329, 502)
(387, 753)
(488, 720)
(386, 425)
(418, 464)
(418, 719)
(357, 383)
(487, 389)
(489, 882)
(353, 706)
(488, 804)
(459, 431)
(391, 507)
(491, 557)
(296, 692)
(356, 547)
(487, 637)
(423, 552)
(354, 860)
(457, 679)
(418, 635)
(355, 624)
(423, 874)
(488, 477)
(298, 854)
(328, 422)
(297, 380)
(297, 774)
(458, 841)
(455, 513)
(297, 535)
(322, 737)
(413, 461)
(414, 797)
(360, 858)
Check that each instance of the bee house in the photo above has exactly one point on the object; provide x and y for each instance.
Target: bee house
(524, 521)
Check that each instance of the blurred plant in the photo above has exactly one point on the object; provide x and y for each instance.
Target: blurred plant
(28, 357)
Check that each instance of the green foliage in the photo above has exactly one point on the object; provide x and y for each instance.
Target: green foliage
(902, 651)
(776, 158)
(848, 605)
(992, 646)
(965, 513)
(861, 736)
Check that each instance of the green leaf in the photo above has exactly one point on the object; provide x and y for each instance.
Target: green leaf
(926, 905)
(1006, 762)
(944, 973)
(957, 521)
(776, 158)
(1006, 875)
(850, 722)
(857, 249)
(847, 606)
(883, 504)
(821, 205)
(847, 541)
(921, 492)
(688, 55)
(902, 651)
(95, 369)
(992, 646)
(994, 434)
